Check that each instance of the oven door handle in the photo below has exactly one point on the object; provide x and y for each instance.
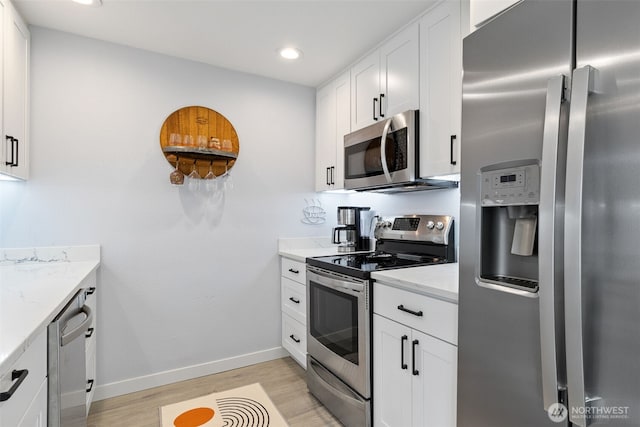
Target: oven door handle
(352, 288)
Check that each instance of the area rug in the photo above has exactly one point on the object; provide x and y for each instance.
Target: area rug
(247, 406)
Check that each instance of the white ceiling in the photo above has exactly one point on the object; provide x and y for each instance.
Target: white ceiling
(240, 35)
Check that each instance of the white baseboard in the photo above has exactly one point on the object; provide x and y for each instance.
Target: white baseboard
(131, 385)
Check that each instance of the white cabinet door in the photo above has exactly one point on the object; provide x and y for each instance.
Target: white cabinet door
(391, 373)
(399, 73)
(434, 386)
(333, 122)
(16, 68)
(325, 137)
(365, 91)
(440, 90)
(36, 414)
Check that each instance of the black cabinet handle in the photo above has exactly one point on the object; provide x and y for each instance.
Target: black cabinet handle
(414, 344)
(375, 100)
(89, 385)
(294, 271)
(402, 340)
(332, 177)
(452, 160)
(14, 161)
(292, 299)
(20, 376)
(17, 155)
(89, 333)
(294, 338)
(90, 291)
(406, 310)
(381, 97)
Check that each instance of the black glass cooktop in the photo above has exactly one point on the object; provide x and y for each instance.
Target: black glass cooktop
(361, 265)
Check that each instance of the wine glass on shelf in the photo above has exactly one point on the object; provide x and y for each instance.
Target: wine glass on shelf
(177, 177)
(188, 140)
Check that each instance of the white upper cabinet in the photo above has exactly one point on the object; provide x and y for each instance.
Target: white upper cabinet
(386, 81)
(14, 157)
(333, 122)
(440, 90)
(482, 10)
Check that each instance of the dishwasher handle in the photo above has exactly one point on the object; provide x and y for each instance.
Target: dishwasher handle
(80, 329)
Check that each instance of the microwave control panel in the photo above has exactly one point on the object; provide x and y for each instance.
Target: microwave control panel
(512, 186)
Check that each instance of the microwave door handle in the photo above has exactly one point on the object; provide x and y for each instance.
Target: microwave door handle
(383, 150)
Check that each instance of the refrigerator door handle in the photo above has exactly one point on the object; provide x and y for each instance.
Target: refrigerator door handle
(546, 241)
(582, 86)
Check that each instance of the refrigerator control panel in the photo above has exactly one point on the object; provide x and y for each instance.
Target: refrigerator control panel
(512, 186)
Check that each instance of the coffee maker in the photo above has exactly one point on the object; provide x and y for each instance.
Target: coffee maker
(354, 229)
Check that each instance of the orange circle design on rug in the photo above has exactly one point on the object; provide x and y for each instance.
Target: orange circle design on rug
(194, 417)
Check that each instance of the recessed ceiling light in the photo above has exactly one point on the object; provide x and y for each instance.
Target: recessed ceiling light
(89, 2)
(290, 53)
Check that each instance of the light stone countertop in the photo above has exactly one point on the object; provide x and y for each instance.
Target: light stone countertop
(34, 289)
(438, 281)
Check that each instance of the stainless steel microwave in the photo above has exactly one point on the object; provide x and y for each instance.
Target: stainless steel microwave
(384, 157)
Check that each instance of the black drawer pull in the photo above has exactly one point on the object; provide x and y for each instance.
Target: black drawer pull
(89, 386)
(293, 337)
(91, 290)
(15, 375)
(414, 344)
(406, 310)
(452, 160)
(294, 271)
(402, 340)
(292, 299)
(89, 333)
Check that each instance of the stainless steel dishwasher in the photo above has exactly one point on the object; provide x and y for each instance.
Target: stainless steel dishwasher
(67, 365)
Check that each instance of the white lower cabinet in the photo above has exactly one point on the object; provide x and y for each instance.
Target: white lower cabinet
(24, 387)
(414, 373)
(293, 304)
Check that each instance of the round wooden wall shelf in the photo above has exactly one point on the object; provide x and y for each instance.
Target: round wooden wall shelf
(201, 136)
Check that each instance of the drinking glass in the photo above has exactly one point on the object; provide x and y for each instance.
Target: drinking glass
(175, 139)
(227, 145)
(202, 141)
(188, 140)
(177, 177)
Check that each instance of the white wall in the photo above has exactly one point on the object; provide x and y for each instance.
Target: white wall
(185, 279)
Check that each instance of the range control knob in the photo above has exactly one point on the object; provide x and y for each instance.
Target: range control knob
(430, 225)
(439, 225)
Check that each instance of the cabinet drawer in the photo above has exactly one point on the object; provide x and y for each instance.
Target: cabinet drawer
(438, 318)
(91, 378)
(34, 360)
(294, 270)
(294, 339)
(294, 299)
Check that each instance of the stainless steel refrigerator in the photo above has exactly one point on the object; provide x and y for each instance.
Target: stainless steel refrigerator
(549, 305)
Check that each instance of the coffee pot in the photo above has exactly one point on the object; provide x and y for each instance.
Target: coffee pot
(353, 231)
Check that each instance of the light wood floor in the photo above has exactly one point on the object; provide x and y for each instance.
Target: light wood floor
(282, 379)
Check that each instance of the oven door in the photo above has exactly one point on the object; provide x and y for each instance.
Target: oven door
(381, 154)
(338, 327)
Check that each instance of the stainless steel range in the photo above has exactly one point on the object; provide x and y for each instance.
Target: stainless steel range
(339, 307)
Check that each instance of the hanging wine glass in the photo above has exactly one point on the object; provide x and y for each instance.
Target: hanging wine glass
(177, 177)
(228, 182)
(211, 182)
(194, 178)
